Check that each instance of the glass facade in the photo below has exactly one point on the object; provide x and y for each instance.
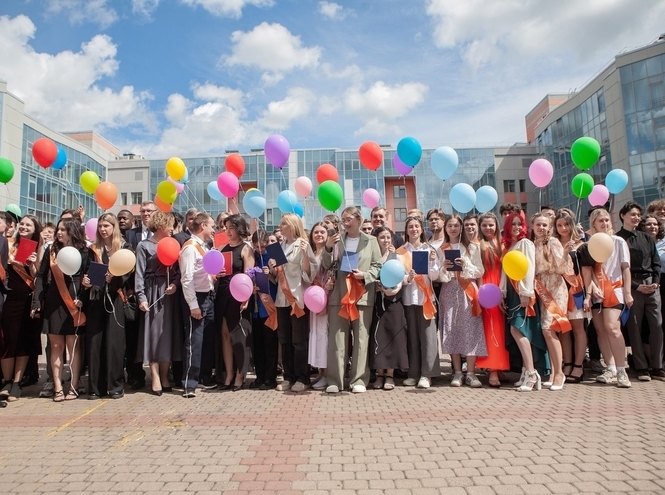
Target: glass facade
(643, 92)
(46, 192)
(587, 119)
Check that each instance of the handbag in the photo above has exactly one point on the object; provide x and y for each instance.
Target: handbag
(129, 305)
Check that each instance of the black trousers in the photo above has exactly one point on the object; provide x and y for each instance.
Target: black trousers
(265, 342)
(105, 349)
(135, 371)
(293, 336)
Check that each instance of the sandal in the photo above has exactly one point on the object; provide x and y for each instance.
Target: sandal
(59, 396)
(72, 394)
(378, 383)
(494, 379)
(389, 383)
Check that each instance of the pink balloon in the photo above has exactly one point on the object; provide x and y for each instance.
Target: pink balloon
(400, 166)
(371, 197)
(178, 186)
(91, 229)
(241, 286)
(228, 184)
(303, 186)
(599, 195)
(541, 172)
(315, 298)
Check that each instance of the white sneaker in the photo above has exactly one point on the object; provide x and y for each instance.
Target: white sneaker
(622, 379)
(299, 387)
(409, 382)
(472, 381)
(321, 384)
(332, 389)
(608, 376)
(285, 386)
(47, 390)
(358, 389)
(457, 379)
(423, 382)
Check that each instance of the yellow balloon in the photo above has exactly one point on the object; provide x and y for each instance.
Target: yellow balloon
(175, 168)
(89, 181)
(601, 247)
(122, 262)
(516, 265)
(166, 191)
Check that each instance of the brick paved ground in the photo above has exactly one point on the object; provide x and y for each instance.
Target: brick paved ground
(586, 439)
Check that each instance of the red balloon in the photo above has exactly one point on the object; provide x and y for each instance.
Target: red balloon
(326, 172)
(371, 155)
(235, 164)
(168, 251)
(44, 151)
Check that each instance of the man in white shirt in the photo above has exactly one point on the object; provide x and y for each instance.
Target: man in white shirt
(198, 289)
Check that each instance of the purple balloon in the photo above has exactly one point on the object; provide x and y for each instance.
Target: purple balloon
(277, 150)
(400, 166)
(213, 262)
(489, 296)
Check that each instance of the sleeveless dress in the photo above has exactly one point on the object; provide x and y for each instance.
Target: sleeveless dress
(19, 334)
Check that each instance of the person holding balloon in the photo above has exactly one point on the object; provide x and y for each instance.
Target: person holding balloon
(20, 336)
(58, 301)
(155, 283)
(522, 312)
(605, 261)
(292, 278)
(489, 296)
(105, 336)
(461, 324)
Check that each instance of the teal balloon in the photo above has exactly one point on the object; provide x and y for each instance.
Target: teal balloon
(462, 197)
(330, 195)
(254, 204)
(15, 209)
(214, 192)
(287, 201)
(60, 160)
(585, 152)
(486, 199)
(616, 181)
(582, 185)
(409, 151)
(392, 273)
(444, 162)
(299, 210)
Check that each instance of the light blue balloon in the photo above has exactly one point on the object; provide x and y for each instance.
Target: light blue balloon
(392, 273)
(61, 160)
(409, 151)
(254, 204)
(462, 197)
(616, 181)
(185, 179)
(213, 191)
(486, 198)
(299, 210)
(444, 162)
(287, 201)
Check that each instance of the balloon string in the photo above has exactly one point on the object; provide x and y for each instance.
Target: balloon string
(196, 201)
(540, 198)
(168, 269)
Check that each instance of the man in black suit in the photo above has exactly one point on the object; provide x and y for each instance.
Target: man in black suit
(125, 222)
(182, 237)
(141, 233)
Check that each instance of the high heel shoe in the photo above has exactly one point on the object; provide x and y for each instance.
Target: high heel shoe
(555, 388)
(519, 382)
(576, 379)
(158, 393)
(531, 381)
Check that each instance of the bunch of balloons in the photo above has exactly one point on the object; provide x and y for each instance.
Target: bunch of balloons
(168, 189)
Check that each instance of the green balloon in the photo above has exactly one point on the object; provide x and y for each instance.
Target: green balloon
(14, 208)
(585, 152)
(330, 195)
(582, 185)
(6, 170)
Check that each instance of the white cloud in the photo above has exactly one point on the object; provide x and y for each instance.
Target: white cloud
(349, 72)
(273, 49)
(332, 10)
(227, 8)
(63, 90)
(496, 33)
(80, 11)
(144, 8)
(279, 114)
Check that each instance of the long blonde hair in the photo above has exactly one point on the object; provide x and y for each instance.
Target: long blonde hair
(295, 222)
(116, 237)
(594, 216)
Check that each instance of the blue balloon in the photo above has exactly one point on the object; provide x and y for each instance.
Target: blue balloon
(486, 198)
(60, 160)
(185, 179)
(254, 204)
(213, 191)
(444, 162)
(392, 273)
(299, 210)
(287, 201)
(616, 181)
(409, 151)
(463, 197)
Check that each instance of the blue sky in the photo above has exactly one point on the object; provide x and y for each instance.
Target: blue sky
(196, 77)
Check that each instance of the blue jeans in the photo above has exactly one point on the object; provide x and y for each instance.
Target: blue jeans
(194, 339)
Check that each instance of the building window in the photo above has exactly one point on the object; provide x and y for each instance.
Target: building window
(400, 214)
(137, 198)
(526, 162)
(522, 185)
(138, 175)
(123, 198)
(399, 192)
(509, 186)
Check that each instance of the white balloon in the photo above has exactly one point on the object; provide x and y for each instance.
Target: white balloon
(69, 260)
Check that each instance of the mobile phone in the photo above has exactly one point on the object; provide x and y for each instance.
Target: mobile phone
(331, 232)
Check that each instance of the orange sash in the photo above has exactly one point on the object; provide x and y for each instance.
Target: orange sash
(19, 268)
(192, 242)
(269, 304)
(530, 309)
(355, 289)
(576, 286)
(560, 322)
(286, 290)
(429, 310)
(610, 298)
(77, 315)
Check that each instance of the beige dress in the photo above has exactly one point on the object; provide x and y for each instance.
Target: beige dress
(551, 264)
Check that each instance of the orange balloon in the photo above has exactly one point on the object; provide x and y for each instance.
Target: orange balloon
(326, 172)
(371, 155)
(235, 164)
(162, 206)
(106, 195)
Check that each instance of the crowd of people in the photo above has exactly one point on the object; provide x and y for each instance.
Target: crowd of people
(552, 326)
